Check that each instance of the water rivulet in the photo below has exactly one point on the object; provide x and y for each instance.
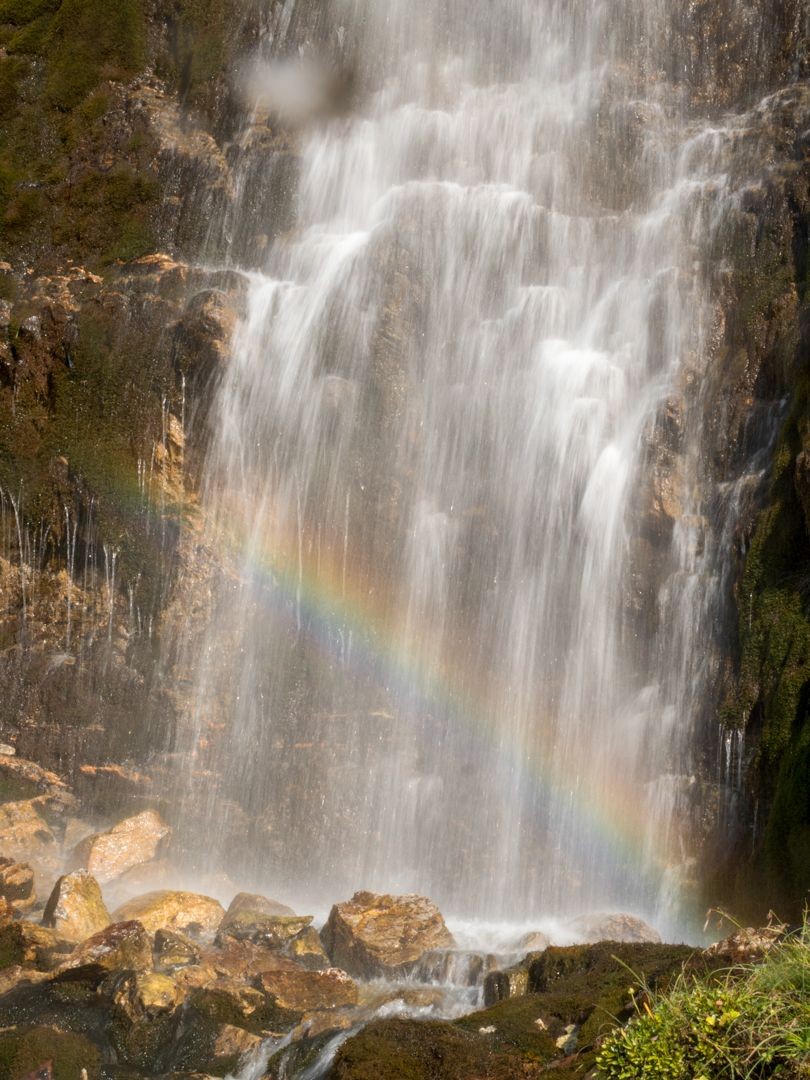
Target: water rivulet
(463, 630)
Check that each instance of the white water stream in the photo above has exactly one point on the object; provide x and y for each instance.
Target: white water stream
(463, 640)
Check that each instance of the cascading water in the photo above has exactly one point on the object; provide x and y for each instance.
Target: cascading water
(455, 649)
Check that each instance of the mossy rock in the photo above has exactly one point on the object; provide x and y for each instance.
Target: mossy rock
(23, 1051)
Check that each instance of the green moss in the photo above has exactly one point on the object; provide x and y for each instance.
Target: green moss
(23, 1052)
(91, 40)
(773, 682)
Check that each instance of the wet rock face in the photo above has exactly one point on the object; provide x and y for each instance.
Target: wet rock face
(128, 844)
(255, 919)
(75, 908)
(373, 935)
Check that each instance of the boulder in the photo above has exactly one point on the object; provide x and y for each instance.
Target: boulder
(174, 950)
(17, 884)
(534, 941)
(260, 921)
(309, 991)
(166, 909)
(123, 946)
(128, 844)
(613, 927)
(75, 908)
(373, 935)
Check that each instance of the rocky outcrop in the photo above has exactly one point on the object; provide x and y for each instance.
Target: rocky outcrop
(255, 919)
(372, 935)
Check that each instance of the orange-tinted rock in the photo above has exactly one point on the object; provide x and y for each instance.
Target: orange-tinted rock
(132, 842)
(17, 884)
(168, 909)
(372, 935)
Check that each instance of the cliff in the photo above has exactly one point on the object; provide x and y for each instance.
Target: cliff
(120, 135)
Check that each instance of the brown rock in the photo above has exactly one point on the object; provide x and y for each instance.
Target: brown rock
(126, 845)
(27, 778)
(613, 927)
(166, 909)
(75, 908)
(372, 935)
(123, 946)
(17, 884)
(309, 991)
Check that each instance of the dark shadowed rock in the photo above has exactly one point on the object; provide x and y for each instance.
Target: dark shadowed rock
(123, 946)
(173, 950)
(32, 946)
(372, 934)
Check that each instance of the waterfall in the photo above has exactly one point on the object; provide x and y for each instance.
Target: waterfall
(453, 481)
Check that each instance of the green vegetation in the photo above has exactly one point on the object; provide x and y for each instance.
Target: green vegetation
(743, 1023)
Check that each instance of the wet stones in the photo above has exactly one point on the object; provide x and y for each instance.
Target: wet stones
(132, 842)
(169, 909)
(75, 908)
(373, 935)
